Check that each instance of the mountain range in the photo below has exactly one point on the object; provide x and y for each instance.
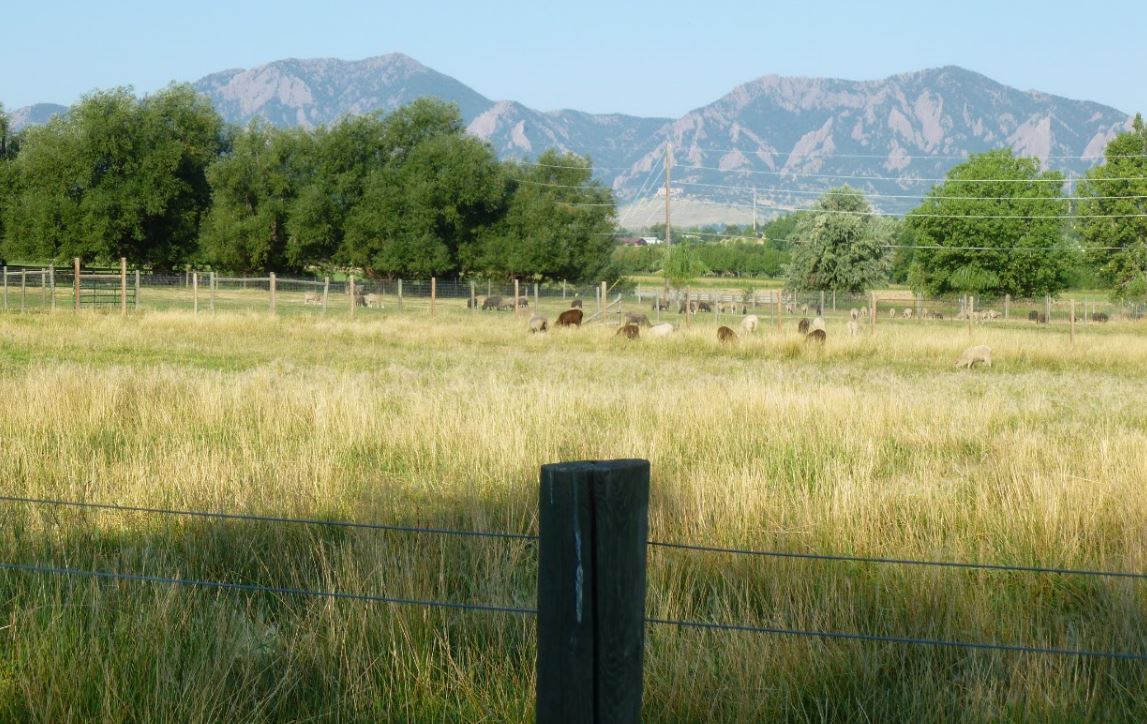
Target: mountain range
(771, 144)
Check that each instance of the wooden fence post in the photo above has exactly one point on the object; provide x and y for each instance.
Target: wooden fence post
(1072, 322)
(195, 292)
(5, 286)
(537, 297)
(326, 291)
(473, 298)
(136, 290)
(593, 521)
(23, 289)
(52, 285)
(433, 294)
(271, 279)
(971, 310)
(354, 302)
(516, 292)
(1007, 304)
(211, 290)
(123, 285)
(76, 281)
(400, 294)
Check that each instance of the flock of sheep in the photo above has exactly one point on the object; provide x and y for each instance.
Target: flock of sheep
(813, 330)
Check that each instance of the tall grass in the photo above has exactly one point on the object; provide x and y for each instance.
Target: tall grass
(874, 446)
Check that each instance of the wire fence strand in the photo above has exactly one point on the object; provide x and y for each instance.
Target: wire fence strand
(874, 638)
(269, 518)
(256, 588)
(898, 561)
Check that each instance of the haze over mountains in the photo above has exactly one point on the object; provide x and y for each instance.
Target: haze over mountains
(790, 138)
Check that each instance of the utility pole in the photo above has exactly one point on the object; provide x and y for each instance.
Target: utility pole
(754, 212)
(668, 164)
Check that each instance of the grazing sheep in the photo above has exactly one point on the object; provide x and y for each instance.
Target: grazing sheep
(938, 315)
(854, 313)
(359, 298)
(569, 318)
(853, 327)
(991, 314)
(817, 335)
(1099, 317)
(1037, 317)
(472, 303)
(803, 325)
(892, 314)
(683, 308)
(492, 303)
(661, 330)
(817, 323)
(538, 324)
(629, 331)
(660, 305)
(704, 307)
(724, 334)
(789, 308)
(575, 304)
(750, 324)
(864, 312)
(804, 309)
(312, 298)
(373, 301)
(972, 355)
(637, 318)
(907, 312)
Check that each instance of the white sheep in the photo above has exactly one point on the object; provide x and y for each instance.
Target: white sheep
(750, 323)
(854, 313)
(972, 355)
(817, 323)
(373, 301)
(538, 323)
(312, 298)
(660, 330)
(907, 312)
(853, 327)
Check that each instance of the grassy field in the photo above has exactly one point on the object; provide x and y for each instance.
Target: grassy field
(873, 446)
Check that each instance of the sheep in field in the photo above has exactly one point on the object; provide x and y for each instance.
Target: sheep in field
(660, 305)
(803, 325)
(853, 327)
(538, 323)
(892, 313)
(575, 304)
(908, 312)
(724, 334)
(569, 318)
(817, 335)
(491, 303)
(312, 298)
(854, 313)
(373, 301)
(1099, 317)
(750, 323)
(661, 330)
(629, 331)
(864, 312)
(817, 323)
(972, 355)
(637, 318)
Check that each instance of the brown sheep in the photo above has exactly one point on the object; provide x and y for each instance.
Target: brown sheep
(637, 318)
(569, 318)
(803, 325)
(817, 335)
(629, 331)
(724, 334)
(575, 304)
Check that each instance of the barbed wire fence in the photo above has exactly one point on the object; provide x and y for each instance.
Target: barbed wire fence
(611, 515)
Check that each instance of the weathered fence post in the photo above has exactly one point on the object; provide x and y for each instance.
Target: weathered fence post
(1007, 304)
(326, 291)
(195, 292)
(473, 298)
(516, 298)
(354, 302)
(593, 521)
(604, 301)
(779, 300)
(23, 289)
(433, 294)
(123, 285)
(136, 290)
(271, 279)
(76, 281)
(971, 310)
(52, 285)
(537, 297)
(211, 290)
(400, 294)
(1072, 322)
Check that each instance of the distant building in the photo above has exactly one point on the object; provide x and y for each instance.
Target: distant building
(650, 240)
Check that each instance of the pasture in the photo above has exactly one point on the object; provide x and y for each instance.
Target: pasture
(868, 446)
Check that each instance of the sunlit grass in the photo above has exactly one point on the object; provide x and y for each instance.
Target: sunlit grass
(873, 445)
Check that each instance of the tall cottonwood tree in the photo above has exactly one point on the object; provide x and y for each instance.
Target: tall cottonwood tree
(839, 245)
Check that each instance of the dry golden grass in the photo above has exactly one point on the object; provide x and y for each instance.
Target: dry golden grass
(873, 446)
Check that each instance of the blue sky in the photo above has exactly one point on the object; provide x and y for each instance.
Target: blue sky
(651, 59)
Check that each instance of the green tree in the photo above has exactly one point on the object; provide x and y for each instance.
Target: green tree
(559, 224)
(254, 186)
(842, 245)
(995, 225)
(117, 176)
(682, 265)
(1113, 213)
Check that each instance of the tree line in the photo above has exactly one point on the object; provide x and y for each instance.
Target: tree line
(164, 182)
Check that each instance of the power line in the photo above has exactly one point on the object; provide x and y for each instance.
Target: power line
(781, 191)
(900, 561)
(267, 518)
(928, 157)
(900, 179)
(256, 588)
(873, 638)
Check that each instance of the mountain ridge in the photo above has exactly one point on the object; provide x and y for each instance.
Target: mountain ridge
(794, 136)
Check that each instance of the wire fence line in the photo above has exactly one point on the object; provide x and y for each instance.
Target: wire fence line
(44, 569)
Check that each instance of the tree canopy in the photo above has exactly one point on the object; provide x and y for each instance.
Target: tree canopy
(839, 244)
(995, 225)
(1112, 218)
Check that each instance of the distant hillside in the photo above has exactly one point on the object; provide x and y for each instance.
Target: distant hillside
(36, 115)
(790, 138)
